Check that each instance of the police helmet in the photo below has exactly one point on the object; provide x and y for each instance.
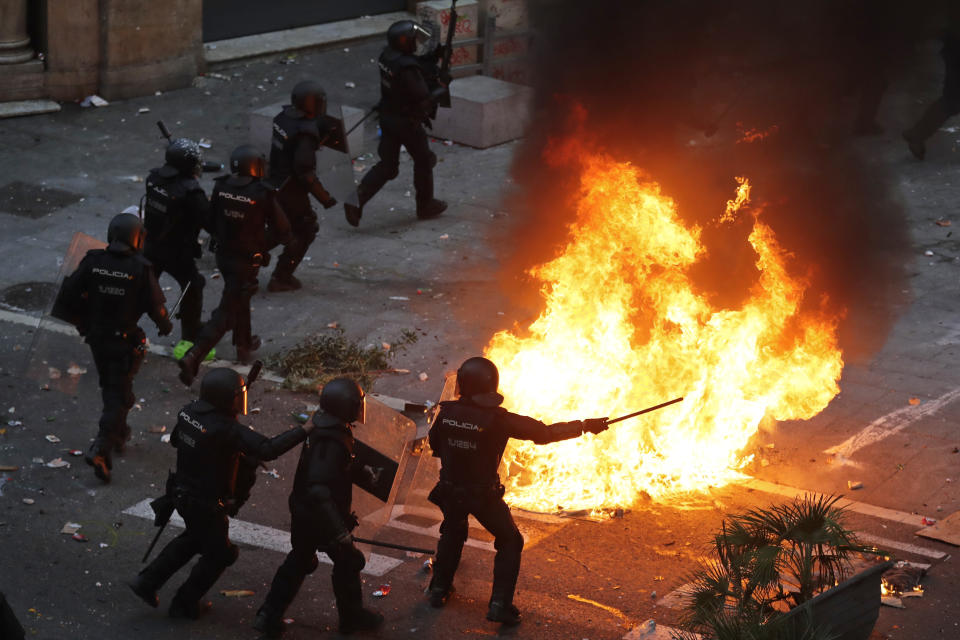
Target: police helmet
(247, 161)
(185, 156)
(477, 380)
(344, 399)
(310, 98)
(127, 229)
(404, 35)
(226, 390)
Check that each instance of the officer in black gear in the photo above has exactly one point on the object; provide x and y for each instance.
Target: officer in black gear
(407, 101)
(321, 519)
(175, 209)
(297, 135)
(213, 449)
(108, 293)
(469, 435)
(243, 211)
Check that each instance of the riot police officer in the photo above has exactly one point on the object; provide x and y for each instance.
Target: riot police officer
(175, 209)
(297, 136)
(212, 449)
(407, 101)
(321, 518)
(108, 292)
(469, 435)
(243, 209)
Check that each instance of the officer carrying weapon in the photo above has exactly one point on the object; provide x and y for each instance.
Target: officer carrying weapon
(243, 209)
(321, 519)
(469, 435)
(105, 298)
(175, 209)
(297, 136)
(213, 451)
(407, 101)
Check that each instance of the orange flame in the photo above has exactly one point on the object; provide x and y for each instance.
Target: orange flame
(624, 327)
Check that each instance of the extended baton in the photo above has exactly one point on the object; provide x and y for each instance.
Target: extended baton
(390, 545)
(183, 294)
(647, 410)
(154, 543)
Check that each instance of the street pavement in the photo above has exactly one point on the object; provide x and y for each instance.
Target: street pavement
(73, 170)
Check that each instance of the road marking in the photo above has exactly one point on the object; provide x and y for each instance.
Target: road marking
(893, 422)
(885, 543)
(264, 537)
(913, 519)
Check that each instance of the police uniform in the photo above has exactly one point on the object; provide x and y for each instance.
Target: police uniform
(406, 102)
(175, 209)
(321, 520)
(242, 211)
(211, 446)
(470, 439)
(113, 287)
(293, 166)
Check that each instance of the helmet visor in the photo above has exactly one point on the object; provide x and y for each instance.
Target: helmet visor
(424, 40)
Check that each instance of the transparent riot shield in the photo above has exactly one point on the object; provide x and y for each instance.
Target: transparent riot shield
(58, 358)
(334, 167)
(383, 453)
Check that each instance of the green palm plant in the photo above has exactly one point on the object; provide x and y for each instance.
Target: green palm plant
(766, 561)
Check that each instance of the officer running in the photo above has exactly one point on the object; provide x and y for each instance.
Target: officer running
(107, 294)
(213, 451)
(243, 211)
(406, 102)
(321, 519)
(297, 136)
(469, 435)
(175, 209)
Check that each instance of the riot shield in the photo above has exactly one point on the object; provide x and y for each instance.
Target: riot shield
(334, 167)
(57, 358)
(383, 455)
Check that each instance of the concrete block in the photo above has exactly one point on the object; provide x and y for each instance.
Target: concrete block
(515, 70)
(512, 47)
(510, 14)
(484, 111)
(27, 108)
(260, 133)
(438, 12)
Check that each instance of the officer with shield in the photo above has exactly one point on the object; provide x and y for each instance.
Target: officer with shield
(175, 209)
(469, 435)
(105, 298)
(407, 101)
(298, 132)
(215, 456)
(243, 211)
(321, 519)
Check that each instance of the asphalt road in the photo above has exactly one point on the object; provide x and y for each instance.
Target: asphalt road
(395, 273)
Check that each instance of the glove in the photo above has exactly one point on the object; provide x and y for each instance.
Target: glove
(352, 522)
(164, 327)
(329, 202)
(595, 425)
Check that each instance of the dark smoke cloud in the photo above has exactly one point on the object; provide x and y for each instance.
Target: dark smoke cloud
(654, 75)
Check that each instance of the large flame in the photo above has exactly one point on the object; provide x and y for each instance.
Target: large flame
(624, 327)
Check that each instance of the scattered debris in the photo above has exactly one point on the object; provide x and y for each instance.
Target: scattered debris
(27, 501)
(236, 593)
(350, 85)
(104, 545)
(52, 438)
(445, 236)
(892, 601)
(927, 522)
(273, 473)
(331, 325)
(217, 76)
(165, 437)
(943, 223)
(93, 101)
(300, 417)
(423, 376)
(71, 528)
(76, 452)
(427, 565)
(9, 467)
(76, 370)
(914, 401)
(385, 345)
(399, 298)
(854, 484)
(205, 143)
(14, 423)
(382, 591)
(143, 110)
(58, 463)
(79, 537)
(157, 429)
(53, 373)
(448, 143)
(928, 253)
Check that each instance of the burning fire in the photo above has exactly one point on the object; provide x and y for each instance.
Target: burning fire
(624, 327)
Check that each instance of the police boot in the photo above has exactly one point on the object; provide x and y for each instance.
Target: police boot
(244, 353)
(189, 366)
(144, 590)
(503, 612)
(353, 213)
(916, 136)
(189, 610)
(440, 595)
(120, 446)
(430, 209)
(361, 620)
(269, 624)
(283, 282)
(99, 458)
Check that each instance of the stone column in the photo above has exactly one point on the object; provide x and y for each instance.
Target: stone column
(14, 41)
